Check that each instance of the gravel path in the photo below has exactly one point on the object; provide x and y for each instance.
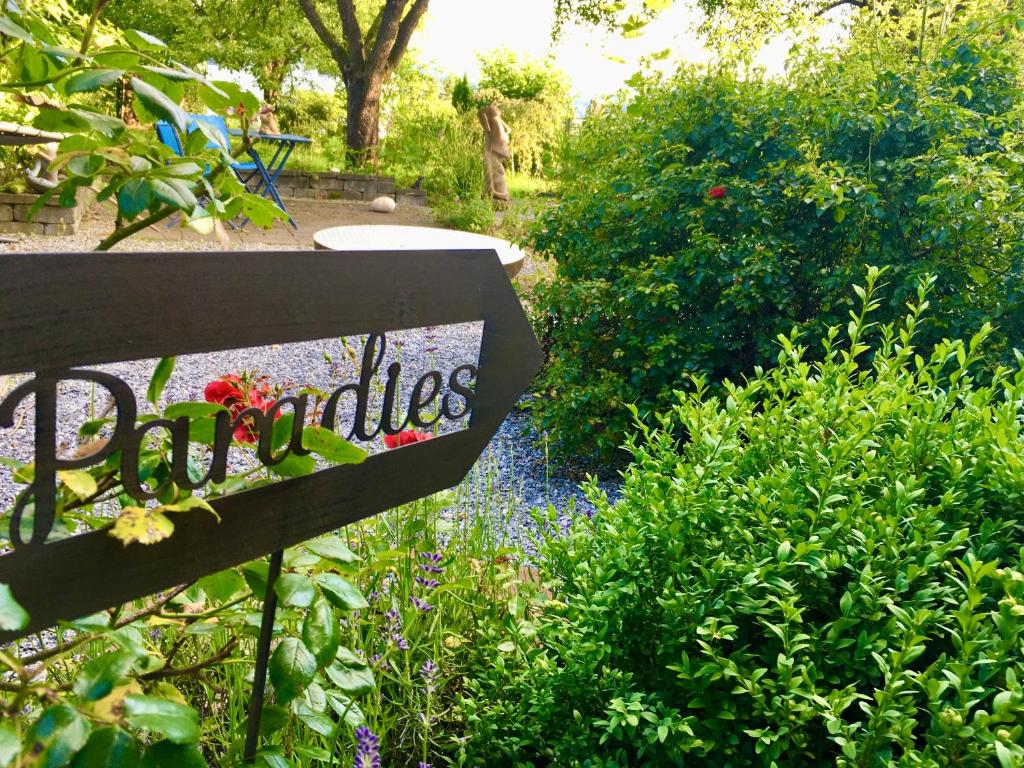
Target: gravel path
(512, 477)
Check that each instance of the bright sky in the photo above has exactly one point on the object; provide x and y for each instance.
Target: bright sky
(454, 31)
(597, 62)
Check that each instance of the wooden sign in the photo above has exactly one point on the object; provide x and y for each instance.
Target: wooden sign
(62, 312)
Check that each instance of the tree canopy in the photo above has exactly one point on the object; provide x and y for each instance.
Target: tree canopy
(268, 39)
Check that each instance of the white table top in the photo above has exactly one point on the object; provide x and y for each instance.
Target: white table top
(372, 237)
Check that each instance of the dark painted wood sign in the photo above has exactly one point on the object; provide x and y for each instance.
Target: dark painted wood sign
(62, 312)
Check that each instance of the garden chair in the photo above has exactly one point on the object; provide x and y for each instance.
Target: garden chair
(253, 174)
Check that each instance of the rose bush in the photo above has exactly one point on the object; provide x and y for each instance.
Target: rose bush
(737, 208)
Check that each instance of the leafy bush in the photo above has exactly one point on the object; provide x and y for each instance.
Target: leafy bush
(320, 116)
(471, 215)
(710, 213)
(821, 567)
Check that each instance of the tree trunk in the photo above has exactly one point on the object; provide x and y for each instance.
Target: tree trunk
(363, 113)
(272, 81)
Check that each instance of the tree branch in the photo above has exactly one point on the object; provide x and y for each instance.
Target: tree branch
(352, 32)
(337, 50)
(85, 637)
(135, 227)
(218, 657)
(839, 4)
(412, 18)
(387, 31)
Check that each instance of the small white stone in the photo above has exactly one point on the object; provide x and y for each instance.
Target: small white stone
(383, 204)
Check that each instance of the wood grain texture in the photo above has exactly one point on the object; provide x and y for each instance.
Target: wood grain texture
(73, 310)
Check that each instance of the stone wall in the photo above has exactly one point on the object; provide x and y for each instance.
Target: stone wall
(51, 219)
(345, 186)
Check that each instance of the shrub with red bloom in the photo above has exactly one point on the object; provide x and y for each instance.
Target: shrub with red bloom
(716, 193)
(405, 437)
(237, 394)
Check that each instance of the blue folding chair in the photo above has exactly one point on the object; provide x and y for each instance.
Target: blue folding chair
(254, 175)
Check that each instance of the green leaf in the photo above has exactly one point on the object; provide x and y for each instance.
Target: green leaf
(143, 40)
(10, 745)
(11, 29)
(177, 722)
(295, 590)
(295, 466)
(174, 192)
(99, 676)
(341, 592)
(346, 708)
(353, 679)
(320, 632)
(272, 757)
(80, 482)
(134, 197)
(92, 80)
(109, 748)
(166, 754)
(332, 548)
(292, 668)
(273, 720)
(57, 736)
(327, 444)
(161, 374)
(179, 75)
(255, 575)
(192, 410)
(262, 212)
(160, 104)
(13, 617)
(223, 586)
(316, 721)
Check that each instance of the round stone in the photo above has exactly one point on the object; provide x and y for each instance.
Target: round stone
(383, 204)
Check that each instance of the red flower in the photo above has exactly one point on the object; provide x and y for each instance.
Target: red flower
(405, 437)
(716, 193)
(237, 394)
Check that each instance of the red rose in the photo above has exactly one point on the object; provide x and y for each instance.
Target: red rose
(405, 437)
(224, 391)
(237, 395)
(716, 193)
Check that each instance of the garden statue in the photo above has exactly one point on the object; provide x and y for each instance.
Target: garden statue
(268, 120)
(496, 151)
(40, 177)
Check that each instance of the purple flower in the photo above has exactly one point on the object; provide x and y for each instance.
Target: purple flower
(400, 642)
(421, 605)
(394, 619)
(431, 562)
(421, 764)
(367, 749)
(428, 583)
(430, 672)
(377, 661)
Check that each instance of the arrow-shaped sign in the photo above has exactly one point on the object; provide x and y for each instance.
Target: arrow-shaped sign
(64, 311)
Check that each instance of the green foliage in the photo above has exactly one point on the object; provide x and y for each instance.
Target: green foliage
(709, 213)
(244, 35)
(320, 116)
(476, 215)
(518, 77)
(147, 180)
(462, 95)
(535, 101)
(823, 566)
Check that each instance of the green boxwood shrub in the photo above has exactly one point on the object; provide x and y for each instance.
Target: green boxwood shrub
(709, 213)
(823, 566)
